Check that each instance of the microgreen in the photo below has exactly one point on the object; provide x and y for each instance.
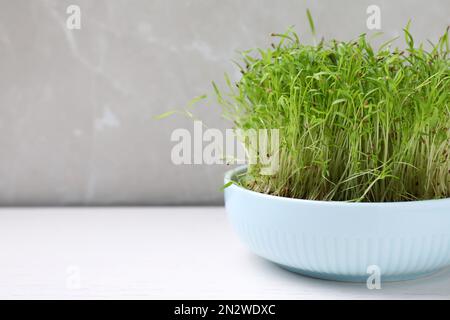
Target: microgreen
(356, 124)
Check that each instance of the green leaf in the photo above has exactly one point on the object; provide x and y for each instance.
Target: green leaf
(338, 101)
(408, 37)
(311, 22)
(387, 44)
(164, 115)
(216, 89)
(196, 100)
(226, 185)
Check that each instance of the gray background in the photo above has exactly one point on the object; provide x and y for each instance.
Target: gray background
(76, 106)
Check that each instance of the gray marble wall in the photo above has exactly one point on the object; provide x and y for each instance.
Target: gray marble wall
(76, 106)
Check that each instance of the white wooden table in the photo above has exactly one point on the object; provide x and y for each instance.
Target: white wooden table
(157, 253)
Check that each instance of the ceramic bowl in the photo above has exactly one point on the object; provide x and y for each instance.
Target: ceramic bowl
(341, 240)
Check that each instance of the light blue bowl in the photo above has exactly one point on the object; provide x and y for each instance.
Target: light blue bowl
(341, 240)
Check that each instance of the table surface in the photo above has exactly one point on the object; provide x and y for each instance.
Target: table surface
(157, 253)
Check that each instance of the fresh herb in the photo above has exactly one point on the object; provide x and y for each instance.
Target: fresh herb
(356, 124)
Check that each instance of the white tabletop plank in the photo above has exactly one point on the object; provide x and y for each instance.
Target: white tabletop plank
(157, 253)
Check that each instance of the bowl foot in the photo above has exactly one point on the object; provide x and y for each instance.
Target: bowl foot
(357, 278)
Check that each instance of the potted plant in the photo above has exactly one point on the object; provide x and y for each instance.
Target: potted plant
(363, 176)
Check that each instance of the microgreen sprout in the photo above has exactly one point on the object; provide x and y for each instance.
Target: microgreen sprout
(356, 124)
